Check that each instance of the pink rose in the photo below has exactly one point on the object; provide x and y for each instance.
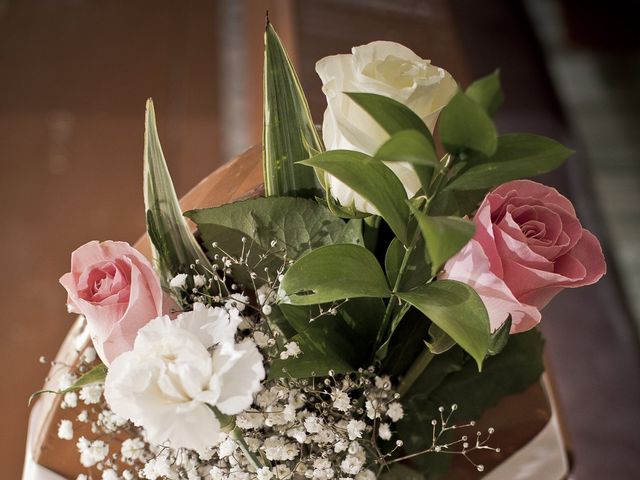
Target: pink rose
(528, 246)
(116, 289)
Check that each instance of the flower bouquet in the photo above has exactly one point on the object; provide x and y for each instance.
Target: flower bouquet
(353, 319)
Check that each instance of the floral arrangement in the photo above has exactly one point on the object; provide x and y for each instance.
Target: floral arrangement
(354, 321)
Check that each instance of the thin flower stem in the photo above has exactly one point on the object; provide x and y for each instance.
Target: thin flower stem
(388, 320)
(414, 372)
(236, 436)
(228, 425)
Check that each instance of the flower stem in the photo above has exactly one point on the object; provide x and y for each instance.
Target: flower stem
(388, 320)
(414, 372)
(228, 425)
(236, 436)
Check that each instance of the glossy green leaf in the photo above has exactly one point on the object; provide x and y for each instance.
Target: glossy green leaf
(458, 310)
(174, 246)
(439, 342)
(391, 115)
(500, 337)
(408, 146)
(289, 134)
(417, 269)
(373, 180)
(444, 237)
(464, 126)
(519, 155)
(412, 147)
(332, 273)
(325, 346)
(487, 92)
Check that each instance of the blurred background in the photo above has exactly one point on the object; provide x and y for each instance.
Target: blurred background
(74, 76)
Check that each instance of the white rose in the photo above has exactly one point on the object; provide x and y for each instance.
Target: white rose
(178, 367)
(384, 68)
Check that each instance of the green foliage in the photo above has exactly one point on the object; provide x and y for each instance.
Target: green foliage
(373, 180)
(325, 344)
(391, 115)
(500, 337)
(174, 246)
(333, 272)
(518, 155)
(444, 237)
(289, 134)
(453, 378)
(487, 92)
(413, 147)
(439, 342)
(465, 127)
(296, 224)
(96, 375)
(458, 310)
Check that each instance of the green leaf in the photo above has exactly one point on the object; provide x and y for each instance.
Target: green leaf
(451, 379)
(456, 203)
(289, 134)
(417, 269)
(500, 337)
(174, 246)
(487, 92)
(408, 146)
(444, 237)
(412, 147)
(373, 180)
(458, 310)
(327, 343)
(391, 115)
(296, 224)
(465, 126)
(518, 155)
(96, 375)
(439, 342)
(333, 272)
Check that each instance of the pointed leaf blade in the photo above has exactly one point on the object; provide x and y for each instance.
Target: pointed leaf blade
(487, 92)
(174, 246)
(289, 134)
(456, 309)
(373, 180)
(465, 126)
(444, 237)
(333, 272)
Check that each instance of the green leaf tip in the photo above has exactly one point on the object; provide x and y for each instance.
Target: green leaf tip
(289, 134)
(174, 246)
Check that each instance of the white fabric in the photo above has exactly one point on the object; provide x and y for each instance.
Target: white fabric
(543, 458)
(31, 470)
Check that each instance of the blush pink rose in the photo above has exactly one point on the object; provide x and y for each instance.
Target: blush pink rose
(528, 246)
(116, 289)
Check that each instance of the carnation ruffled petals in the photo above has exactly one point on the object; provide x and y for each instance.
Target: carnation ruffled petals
(529, 245)
(178, 368)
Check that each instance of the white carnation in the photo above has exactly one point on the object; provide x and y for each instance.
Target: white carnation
(176, 369)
